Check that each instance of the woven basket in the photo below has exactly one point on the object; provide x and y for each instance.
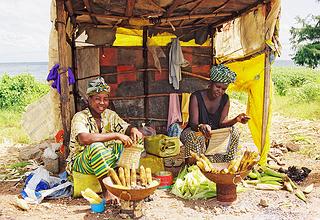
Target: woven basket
(130, 157)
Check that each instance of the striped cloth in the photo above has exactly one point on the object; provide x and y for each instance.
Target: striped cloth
(97, 158)
(222, 74)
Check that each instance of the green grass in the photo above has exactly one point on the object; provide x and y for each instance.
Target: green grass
(10, 127)
(301, 110)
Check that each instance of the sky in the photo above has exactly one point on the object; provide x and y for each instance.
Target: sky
(25, 27)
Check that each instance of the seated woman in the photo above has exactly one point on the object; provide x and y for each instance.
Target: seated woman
(208, 110)
(98, 135)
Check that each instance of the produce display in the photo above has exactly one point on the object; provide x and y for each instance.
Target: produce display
(242, 163)
(265, 178)
(128, 179)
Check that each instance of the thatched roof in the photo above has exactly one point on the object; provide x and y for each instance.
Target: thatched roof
(175, 16)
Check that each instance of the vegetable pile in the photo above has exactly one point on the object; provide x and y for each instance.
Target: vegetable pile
(192, 184)
(127, 178)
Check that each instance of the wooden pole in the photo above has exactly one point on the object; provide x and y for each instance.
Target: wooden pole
(145, 74)
(266, 97)
(62, 51)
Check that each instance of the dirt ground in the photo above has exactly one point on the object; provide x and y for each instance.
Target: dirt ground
(281, 204)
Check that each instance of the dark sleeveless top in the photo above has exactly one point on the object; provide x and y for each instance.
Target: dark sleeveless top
(207, 118)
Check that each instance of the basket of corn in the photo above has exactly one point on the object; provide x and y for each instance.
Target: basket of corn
(127, 185)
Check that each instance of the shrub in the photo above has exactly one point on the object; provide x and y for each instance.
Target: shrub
(285, 78)
(306, 93)
(16, 92)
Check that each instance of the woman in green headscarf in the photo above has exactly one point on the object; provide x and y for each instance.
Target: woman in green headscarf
(208, 110)
(98, 135)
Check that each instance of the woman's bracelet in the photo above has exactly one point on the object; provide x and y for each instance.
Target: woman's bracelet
(199, 126)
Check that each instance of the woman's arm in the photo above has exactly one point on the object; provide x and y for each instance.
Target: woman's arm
(225, 122)
(89, 138)
(193, 113)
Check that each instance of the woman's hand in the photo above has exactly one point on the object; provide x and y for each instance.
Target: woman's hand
(242, 118)
(126, 140)
(135, 135)
(205, 129)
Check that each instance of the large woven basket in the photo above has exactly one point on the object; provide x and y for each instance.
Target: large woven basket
(130, 194)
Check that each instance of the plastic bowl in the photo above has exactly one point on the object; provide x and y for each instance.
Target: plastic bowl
(98, 208)
(130, 194)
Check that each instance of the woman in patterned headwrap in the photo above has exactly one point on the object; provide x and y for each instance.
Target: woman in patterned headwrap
(208, 110)
(98, 135)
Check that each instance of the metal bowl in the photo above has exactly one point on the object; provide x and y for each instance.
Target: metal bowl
(130, 194)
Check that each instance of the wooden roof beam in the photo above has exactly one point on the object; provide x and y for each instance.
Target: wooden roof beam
(161, 20)
(88, 6)
(223, 5)
(192, 10)
(172, 7)
(130, 6)
(69, 7)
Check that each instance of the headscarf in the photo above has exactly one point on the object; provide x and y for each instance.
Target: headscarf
(96, 86)
(222, 74)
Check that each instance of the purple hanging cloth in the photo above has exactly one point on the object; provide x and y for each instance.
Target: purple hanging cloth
(55, 76)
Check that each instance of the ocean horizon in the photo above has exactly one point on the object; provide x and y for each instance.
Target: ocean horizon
(40, 70)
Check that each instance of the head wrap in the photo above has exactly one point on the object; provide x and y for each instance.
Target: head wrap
(222, 74)
(96, 86)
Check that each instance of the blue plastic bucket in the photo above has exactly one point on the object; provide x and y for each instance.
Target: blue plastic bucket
(97, 208)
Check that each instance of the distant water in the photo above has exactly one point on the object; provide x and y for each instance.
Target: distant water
(38, 69)
(284, 63)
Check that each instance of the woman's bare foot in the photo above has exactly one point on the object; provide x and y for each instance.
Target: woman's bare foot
(110, 198)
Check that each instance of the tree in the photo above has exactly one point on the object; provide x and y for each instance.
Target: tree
(306, 41)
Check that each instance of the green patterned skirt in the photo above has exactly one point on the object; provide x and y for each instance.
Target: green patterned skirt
(96, 159)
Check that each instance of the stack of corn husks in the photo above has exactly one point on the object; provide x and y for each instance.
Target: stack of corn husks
(127, 178)
(265, 178)
(241, 163)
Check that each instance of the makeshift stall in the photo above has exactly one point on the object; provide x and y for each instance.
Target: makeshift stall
(126, 42)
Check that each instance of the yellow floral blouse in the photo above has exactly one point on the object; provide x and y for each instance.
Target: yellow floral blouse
(83, 122)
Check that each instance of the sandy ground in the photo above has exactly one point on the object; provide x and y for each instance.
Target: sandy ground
(281, 204)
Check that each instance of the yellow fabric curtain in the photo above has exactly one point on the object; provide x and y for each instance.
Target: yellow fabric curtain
(250, 78)
(131, 37)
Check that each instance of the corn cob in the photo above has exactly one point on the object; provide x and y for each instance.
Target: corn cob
(143, 176)
(91, 196)
(114, 176)
(271, 172)
(206, 166)
(265, 186)
(243, 160)
(212, 169)
(288, 186)
(133, 176)
(252, 175)
(200, 165)
(127, 176)
(236, 165)
(121, 176)
(148, 175)
(308, 189)
(300, 195)
(270, 178)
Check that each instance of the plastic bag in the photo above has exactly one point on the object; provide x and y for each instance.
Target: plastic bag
(39, 185)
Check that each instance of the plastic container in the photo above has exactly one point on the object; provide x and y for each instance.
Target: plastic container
(165, 178)
(98, 208)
